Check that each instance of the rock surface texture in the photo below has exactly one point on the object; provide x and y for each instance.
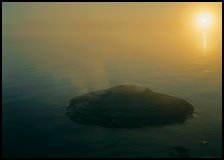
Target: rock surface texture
(128, 106)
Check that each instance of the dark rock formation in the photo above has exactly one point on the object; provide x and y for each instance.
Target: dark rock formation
(128, 106)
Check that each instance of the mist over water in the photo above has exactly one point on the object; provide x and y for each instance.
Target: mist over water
(45, 64)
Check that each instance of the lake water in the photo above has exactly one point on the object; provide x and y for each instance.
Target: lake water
(41, 73)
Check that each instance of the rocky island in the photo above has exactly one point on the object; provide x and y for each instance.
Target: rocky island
(128, 106)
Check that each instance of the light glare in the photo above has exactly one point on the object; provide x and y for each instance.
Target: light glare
(204, 20)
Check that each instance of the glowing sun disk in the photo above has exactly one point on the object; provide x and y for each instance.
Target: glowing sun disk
(204, 20)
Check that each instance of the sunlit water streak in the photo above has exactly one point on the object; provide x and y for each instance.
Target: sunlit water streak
(205, 40)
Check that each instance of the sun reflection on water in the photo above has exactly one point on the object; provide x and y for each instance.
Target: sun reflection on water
(205, 40)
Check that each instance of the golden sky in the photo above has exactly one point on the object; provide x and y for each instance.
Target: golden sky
(131, 23)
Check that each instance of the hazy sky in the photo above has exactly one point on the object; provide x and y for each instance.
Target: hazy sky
(17, 13)
(131, 23)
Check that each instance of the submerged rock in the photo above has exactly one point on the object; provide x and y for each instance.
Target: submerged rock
(128, 106)
(180, 152)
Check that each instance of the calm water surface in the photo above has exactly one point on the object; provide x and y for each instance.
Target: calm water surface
(41, 75)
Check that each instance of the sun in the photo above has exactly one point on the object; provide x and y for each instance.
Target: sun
(204, 20)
